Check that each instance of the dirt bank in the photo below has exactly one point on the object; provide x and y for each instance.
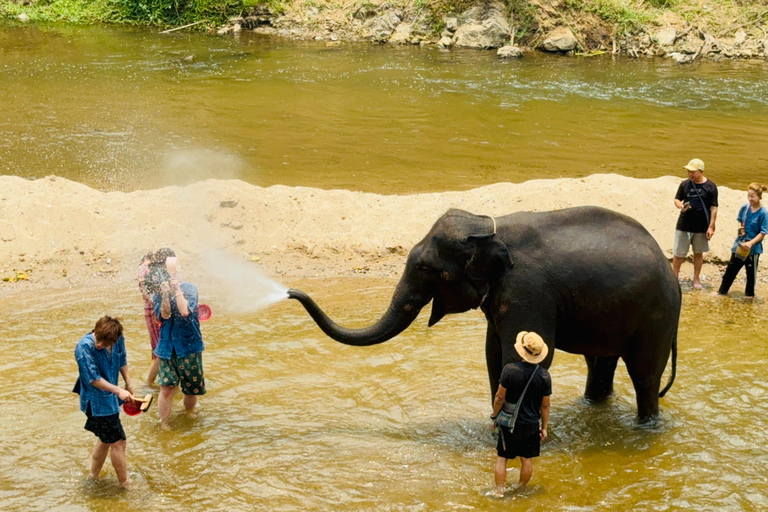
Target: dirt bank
(58, 233)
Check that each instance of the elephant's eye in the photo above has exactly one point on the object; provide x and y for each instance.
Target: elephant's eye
(445, 276)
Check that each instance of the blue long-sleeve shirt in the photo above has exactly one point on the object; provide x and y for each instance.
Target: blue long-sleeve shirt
(99, 363)
(177, 333)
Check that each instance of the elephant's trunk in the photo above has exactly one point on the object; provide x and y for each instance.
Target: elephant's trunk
(395, 320)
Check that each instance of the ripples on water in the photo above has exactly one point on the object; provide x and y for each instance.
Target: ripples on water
(131, 109)
(293, 420)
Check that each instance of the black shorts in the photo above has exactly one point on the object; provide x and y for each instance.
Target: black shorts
(523, 442)
(107, 428)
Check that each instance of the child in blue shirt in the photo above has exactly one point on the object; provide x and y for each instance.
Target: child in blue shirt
(100, 357)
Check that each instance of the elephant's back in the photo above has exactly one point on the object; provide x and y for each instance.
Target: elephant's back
(591, 245)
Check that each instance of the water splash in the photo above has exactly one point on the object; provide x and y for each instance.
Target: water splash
(245, 287)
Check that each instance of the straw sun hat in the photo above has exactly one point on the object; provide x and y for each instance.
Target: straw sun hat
(531, 347)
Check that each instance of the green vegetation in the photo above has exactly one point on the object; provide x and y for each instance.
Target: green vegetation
(627, 15)
(152, 12)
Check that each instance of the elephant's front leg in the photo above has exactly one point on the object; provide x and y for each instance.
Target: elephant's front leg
(493, 358)
(600, 372)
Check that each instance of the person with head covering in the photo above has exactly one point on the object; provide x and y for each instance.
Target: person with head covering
(746, 250)
(696, 198)
(525, 386)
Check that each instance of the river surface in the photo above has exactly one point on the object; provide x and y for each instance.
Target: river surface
(295, 421)
(126, 109)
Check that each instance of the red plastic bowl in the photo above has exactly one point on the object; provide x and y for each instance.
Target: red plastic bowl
(203, 313)
(132, 408)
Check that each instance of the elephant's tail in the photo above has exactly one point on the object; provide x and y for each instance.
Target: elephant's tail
(674, 367)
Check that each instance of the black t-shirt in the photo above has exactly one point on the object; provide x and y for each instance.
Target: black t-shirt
(514, 376)
(694, 220)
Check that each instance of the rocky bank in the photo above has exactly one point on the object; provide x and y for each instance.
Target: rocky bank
(543, 26)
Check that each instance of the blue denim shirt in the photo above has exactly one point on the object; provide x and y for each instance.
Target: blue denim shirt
(94, 364)
(179, 334)
(754, 224)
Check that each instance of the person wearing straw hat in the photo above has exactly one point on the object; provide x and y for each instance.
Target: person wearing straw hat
(529, 384)
(696, 198)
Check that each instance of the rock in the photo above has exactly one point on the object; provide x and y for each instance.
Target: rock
(765, 47)
(265, 30)
(666, 36)
(560, 40)
(445, 42)
(487, 27)
(451, 24)
(740, 37)
(402, 34)
(237, 28)
(224, 31)
(22, 18)
(681, 58)
(383, 26)
(691, 44)
(229, 203)
(510, 52)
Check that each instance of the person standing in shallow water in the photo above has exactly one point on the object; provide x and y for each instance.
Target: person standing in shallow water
(101, 357)
(524, 440)
(746, 250)
(180, 345)
(696, 198)
(148, 289)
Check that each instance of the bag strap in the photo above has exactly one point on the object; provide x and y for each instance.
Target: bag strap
(520, 400)
(703, 204)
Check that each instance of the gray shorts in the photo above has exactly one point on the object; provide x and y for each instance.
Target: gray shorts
(684, 240)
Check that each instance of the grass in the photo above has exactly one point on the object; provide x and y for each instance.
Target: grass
(629, 16)
(148, 12)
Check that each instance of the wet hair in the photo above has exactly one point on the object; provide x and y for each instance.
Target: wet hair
(147, 257)
(758, 189)
(158, 273)
(159, 256)
(108, 330)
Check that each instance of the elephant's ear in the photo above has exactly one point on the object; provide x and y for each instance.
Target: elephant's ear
(490, 259)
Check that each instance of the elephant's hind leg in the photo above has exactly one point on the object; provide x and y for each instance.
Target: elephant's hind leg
(600, 371)
(646, 378)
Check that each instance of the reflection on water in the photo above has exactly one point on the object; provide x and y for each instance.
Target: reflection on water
(129, 109)
(293, 420)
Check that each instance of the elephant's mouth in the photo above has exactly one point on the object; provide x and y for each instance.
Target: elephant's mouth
(466, 297)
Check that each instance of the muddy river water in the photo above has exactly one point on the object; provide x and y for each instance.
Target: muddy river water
(295, 421)
(130, 109)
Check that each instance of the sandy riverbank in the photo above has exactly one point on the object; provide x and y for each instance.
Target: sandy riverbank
(58, 233)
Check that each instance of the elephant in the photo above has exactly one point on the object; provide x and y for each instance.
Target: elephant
(589, 280)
